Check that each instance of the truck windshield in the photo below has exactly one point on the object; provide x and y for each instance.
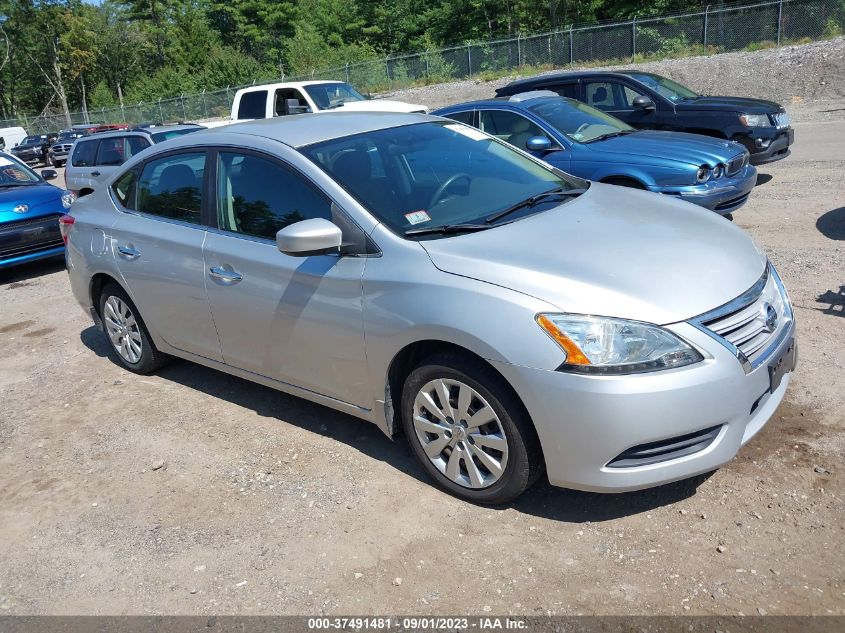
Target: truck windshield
(333, 95)
(672, 90)
(580, 122)
(436, 176)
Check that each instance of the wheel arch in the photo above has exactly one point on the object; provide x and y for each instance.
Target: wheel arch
(624, 180)
(95, 288)
(410, 357)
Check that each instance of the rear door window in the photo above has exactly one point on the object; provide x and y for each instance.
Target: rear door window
(253, 105)
(466, 117)
(84, 153)
(510, 127)
(135, 144)
(569, 90)
(283, 94)
(111, 151)
(171, 187)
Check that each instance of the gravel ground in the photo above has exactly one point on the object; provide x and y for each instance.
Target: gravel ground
(194, 492)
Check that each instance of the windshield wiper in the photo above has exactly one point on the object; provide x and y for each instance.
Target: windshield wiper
(602, 137)
(448, 229)
(530, 202)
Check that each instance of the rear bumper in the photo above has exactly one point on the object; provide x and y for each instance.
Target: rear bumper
(724, 195)
(29, 240)
(586, 423)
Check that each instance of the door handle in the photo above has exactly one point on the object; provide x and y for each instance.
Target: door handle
(226, 276)
(95, 173)
(127, 252)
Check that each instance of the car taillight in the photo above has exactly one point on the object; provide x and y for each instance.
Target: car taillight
(65, 225)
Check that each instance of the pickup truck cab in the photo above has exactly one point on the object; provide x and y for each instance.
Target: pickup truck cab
(270, 100)
(650, 102)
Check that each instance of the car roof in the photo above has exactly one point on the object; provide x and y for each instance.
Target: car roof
(571, 74)
(516, 100)
(154, 129)
(292, 84)
(99, 135)
(298, 130)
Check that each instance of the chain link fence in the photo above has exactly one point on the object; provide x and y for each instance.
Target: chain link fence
(718, 28)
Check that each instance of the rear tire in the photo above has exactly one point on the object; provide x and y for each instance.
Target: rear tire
(130, 342)
(481, 446)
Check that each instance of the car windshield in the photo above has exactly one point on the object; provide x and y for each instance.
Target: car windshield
(30, 140)
(15, 174)
(435, 175)
(68, 136)
(578, 121)
(328, 96)
(166, 135)
(672, 90)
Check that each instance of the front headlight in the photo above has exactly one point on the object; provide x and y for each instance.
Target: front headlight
(67, 199)
(703, 174)
(755, 120)
(718, 170)
(604, 345)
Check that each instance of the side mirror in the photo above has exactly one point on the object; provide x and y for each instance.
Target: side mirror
(292, 107)
(538, 144)
(49, 174)
(643, 103)
(309, 237)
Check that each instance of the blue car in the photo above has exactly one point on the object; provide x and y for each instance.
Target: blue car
(30, 209)
(589, 143)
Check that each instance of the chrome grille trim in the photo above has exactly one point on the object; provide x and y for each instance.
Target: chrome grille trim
(781, 119)
(737, 324)
(736, 164)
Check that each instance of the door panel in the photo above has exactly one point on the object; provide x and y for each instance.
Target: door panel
(294, 319)
(159, 254)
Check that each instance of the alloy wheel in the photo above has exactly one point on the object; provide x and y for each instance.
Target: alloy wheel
(460, 433)
(123, 330)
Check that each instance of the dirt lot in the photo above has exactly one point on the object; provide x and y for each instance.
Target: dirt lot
(268, 504)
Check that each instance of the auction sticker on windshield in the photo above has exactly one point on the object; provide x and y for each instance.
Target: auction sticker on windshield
(417, 217)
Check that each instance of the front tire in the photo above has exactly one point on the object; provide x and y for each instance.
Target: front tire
(469, 430)
(130, 341)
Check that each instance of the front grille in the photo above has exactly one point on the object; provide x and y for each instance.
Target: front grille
(19, 250)
(781, 119)
(664, 450)
(746, 323)
(736, 164)
(6, 227)
(731, 204)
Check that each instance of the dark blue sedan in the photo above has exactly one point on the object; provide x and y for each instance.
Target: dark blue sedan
(30, 209)
(586, 142)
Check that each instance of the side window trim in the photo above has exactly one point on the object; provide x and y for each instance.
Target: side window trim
(210, 190)
(139, 168)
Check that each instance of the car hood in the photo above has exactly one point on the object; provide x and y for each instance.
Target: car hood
(649, 145)
(730, 104)
(41, 199)
(612, 251)
(379, 105)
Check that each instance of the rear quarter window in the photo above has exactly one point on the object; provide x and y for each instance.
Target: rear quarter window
(253, 105)
(84, 153)
(124, 189)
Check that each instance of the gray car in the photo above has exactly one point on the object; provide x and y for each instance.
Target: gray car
(422, 275)
(93, 159)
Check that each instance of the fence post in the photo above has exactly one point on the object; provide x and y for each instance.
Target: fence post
(387, 70)
(634, 38)
(518, 51)
(228, 99)
(204, 104)
(122, 113)
(347, 72)
(704, 37)
(551, 60)
(571, 48)
(780, 18)
(469, 60)
(160, 113)
(427, 69)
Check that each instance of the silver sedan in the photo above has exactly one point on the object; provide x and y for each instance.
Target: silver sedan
(510, 319)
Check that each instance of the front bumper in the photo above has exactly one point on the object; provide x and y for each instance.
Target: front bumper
(723, 195)
(768, 145)
(30, 239)
(585, 422)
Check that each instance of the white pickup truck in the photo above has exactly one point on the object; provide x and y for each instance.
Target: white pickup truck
(269, 100)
